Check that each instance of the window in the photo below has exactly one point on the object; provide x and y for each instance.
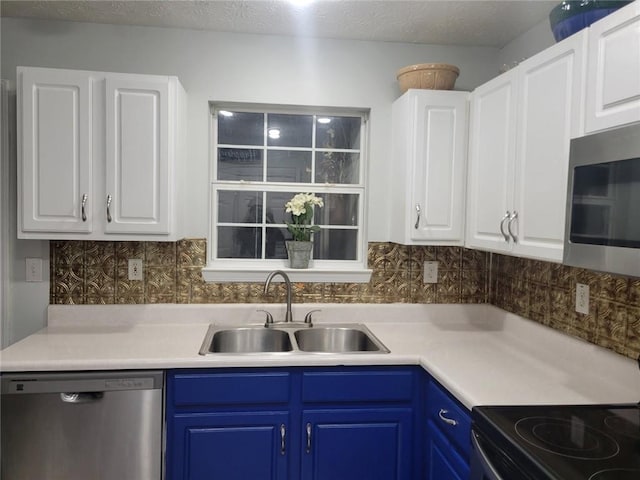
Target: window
(263, 156)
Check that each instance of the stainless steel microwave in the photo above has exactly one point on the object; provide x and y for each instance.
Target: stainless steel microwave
(603, 202)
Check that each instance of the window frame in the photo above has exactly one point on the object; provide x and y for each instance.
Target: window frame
(250, 270)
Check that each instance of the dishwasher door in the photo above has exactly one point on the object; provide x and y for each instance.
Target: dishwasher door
(82, 426)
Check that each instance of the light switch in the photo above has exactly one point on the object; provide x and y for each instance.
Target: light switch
(34, 270)
(430, 272)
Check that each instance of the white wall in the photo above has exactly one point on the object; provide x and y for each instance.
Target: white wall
(526, 45)
(230, 67)
(246, 68)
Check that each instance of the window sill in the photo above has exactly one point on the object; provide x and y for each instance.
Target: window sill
(221, 274)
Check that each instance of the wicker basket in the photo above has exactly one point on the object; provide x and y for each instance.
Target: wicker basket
(433, 76)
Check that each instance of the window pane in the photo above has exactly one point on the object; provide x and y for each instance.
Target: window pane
(241, 128)
(288, 166)
(239, 164)
(289, 130)
(239, 242)
(275, 207)
(339, 209)
(337, 167)
(239, 207)
(338, 132)
(335, 245)
(275, 247)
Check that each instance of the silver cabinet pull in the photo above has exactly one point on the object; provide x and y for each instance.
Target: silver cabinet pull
(283, 436)
(506, 216)
(513, 216)
(85, 197)
(448, 421)
(308, 438)
(108, 208)
(418, 212)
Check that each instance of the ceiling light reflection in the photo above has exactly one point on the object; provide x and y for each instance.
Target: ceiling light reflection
(324, 120)
(274, 133)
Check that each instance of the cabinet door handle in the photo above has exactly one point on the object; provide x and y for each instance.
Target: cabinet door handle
(283, 441)
(448, 421)
(418, 212)
(513, 216)
(109, 208)
(506, 216)
(308, 438)
(85, 197)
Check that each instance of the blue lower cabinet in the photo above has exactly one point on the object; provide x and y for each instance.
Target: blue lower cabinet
(229, 446)
(357, 443)
(448, 435)
(336, 423)
(443, 462)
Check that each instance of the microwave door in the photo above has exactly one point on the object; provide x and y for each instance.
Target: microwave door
(603, 204)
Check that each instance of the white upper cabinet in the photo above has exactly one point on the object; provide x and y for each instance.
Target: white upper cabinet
(521, 125)
(55, 148)
(613, 76)
(429, 167)
(138, 177)
(492, 147)
(98, 155)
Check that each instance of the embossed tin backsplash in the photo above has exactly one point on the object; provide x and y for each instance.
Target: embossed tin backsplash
(97, 273)
(86, 272)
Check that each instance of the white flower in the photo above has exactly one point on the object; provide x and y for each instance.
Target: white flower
(299, 203)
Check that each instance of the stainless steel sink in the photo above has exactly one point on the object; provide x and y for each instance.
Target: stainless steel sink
(338, 339)
(342, 338)
(247, 340)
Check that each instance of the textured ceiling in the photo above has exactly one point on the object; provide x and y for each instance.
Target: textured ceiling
(453, 22)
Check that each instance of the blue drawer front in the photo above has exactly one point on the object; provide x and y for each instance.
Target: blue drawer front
(371, 386)
(440, 404)
(231, 388)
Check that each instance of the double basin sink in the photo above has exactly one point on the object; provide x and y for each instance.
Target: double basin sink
(330, 338)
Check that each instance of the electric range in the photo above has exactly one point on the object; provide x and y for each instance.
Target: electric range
(564, 442)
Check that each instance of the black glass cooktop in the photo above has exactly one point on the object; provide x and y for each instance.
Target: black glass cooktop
(595, 442)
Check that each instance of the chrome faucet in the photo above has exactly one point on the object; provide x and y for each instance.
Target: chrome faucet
(288, 317)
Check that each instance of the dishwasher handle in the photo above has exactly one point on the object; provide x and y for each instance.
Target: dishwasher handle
(81, 397)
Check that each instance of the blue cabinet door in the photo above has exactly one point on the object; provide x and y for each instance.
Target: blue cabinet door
(228, 446)
(349, 444)
(443, 461)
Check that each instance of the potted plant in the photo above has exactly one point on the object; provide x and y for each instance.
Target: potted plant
(301, 207)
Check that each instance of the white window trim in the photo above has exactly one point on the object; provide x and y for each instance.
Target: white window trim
(250, 270)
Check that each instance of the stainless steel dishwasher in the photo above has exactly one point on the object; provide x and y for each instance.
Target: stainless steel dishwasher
(72, 426)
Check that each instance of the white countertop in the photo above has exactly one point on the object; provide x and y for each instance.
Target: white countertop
(481, 354)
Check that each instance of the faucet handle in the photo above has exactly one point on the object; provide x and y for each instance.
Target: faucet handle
(308, 319)
(269, 319)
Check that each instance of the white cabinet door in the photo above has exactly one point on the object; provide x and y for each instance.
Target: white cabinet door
(492, 147)
(138, 188)
(99, 154)
(429, 155)
(54, 115)
(613, 77)
(549, 114)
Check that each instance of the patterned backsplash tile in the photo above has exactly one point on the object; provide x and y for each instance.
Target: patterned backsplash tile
(84, 272)
(97, 273)
(546, 292)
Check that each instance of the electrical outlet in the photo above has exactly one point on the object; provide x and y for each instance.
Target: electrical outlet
(135, 269)
(33, 269)
(430, 272)
(582, 298)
